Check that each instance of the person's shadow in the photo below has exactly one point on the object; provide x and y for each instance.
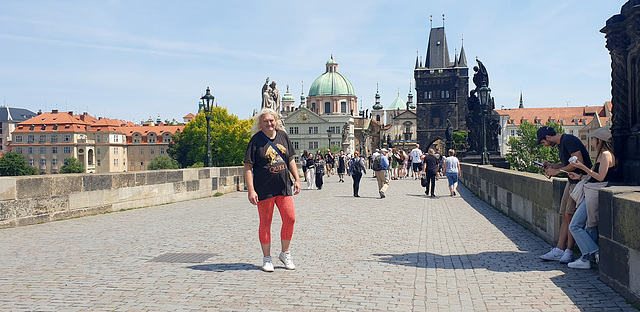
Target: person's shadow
(223, 267)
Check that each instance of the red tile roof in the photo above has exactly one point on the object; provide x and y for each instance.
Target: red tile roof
(545, 114)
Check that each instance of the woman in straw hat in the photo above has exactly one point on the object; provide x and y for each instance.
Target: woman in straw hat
(584, 225)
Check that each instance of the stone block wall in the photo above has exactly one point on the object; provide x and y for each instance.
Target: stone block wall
(530, 199)
(36, 199)
(533, 201)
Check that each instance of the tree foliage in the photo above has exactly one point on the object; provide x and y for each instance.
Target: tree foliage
(72, 165)
(163, 162)
(524, 151)
(229, 139)
(14, 164)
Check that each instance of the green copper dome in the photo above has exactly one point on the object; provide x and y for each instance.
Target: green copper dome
(331, 82)
(398, 103)
(287, 96)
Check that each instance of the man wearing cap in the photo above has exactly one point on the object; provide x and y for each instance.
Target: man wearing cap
(569, 146)
(381, 175)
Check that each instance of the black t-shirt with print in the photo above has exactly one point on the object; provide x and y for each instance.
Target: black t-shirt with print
(432, 164)
(570, 144)
(270, 172)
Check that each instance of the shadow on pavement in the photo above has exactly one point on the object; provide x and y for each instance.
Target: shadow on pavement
(223, 267)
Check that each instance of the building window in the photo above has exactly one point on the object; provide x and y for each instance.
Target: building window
(293, 130)
(32, 127)
(67, 149)
(98, 162)
(152, 138)
(152, 151)
(18, 138)
(132, 164)
(131, 149)
(167, 138)
(98, 151)
(115, 150)
(142, 164)
(327, 107)
(54, 162)
(378, 118)
(30, 139)
(66, 138)
(43, 162)
(98, 138)
(343, 107)
(115, 162)
(116, 138)
(31, 162)
(295, 145)
(136, 138)
(141, 150)
(30, 150)
(42, 139)
(19, 150)
(313, 145)
(54, 138)
(161, 150)
(334, 129)
(43, 150)
(313, 130)
(513, 132)
(54, 150)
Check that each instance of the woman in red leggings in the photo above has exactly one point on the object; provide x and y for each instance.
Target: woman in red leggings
(267, 163)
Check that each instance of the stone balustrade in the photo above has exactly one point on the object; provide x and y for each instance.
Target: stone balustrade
(35, 199)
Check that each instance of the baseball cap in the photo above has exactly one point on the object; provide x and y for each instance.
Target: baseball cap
(603, 134)
(543, 132)
(384, 150)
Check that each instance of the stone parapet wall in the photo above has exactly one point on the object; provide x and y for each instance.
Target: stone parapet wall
(530, 199)
(533, 201)
(37, 199)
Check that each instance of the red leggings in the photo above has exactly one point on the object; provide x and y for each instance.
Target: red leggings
(287, 213)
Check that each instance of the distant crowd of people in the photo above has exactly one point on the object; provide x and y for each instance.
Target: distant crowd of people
(272, 179)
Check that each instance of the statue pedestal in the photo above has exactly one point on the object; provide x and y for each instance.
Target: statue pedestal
(475, 158)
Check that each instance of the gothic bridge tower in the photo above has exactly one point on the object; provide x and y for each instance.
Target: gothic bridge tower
(442, 89)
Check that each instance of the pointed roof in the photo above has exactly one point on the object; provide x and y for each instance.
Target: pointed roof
(437, 50)
(462, 60)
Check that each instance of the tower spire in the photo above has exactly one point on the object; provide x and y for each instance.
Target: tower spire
(521, 104)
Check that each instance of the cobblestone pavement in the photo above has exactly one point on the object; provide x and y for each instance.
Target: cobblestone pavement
(406, 252)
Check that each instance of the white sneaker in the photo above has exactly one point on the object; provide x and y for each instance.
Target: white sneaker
(597, 256)
(554, 255)
(581, 263)
(287, 260)
(267, 265)
(567, 256)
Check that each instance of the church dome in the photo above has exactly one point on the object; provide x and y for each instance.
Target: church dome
(287, 96)
(331, 82)
(398, 103)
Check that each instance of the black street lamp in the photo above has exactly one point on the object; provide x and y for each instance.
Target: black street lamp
(207, 100)
(484, 93)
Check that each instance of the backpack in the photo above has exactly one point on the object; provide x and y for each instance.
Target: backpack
(355, 165)
(377, 163)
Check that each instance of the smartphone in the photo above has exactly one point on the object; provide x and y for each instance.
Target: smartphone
(565, 171)
(538, 163)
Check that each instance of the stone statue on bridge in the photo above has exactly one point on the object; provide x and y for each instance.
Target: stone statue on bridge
(271, 96)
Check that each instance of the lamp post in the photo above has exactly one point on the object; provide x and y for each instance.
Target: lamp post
(207, 100)
(329, 132)
(363, 146)
(484, 93)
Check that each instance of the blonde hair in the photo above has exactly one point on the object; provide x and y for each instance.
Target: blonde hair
(265, 111)
(452, 152)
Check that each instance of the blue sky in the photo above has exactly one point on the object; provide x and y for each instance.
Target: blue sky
(136, 59)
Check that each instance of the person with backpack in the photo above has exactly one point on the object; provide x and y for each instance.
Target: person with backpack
(356, 169)
(380, 166)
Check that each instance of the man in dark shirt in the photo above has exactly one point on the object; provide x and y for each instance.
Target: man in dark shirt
(569, 146)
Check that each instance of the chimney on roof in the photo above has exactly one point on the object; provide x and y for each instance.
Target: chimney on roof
(54, 111)
(39, 112)
(70, 113)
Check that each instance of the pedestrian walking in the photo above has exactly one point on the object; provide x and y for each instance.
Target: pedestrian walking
(303, 163)
(311, 172)
(380, 166)
(269, 165)
(342, 166)
(569, 146)
(452, 171)
(321, 167)
(416, 160)
(356, 169)
(430, 171)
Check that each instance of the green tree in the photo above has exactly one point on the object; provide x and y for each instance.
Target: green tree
(229, 139)
(72, 165)
(524, 151)
(460, 138)
(14, 164)
(163, 162)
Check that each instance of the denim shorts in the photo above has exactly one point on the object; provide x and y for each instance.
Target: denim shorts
(452, 177)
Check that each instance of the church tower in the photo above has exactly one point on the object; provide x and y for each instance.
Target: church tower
(442, 89)
(377, 113)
